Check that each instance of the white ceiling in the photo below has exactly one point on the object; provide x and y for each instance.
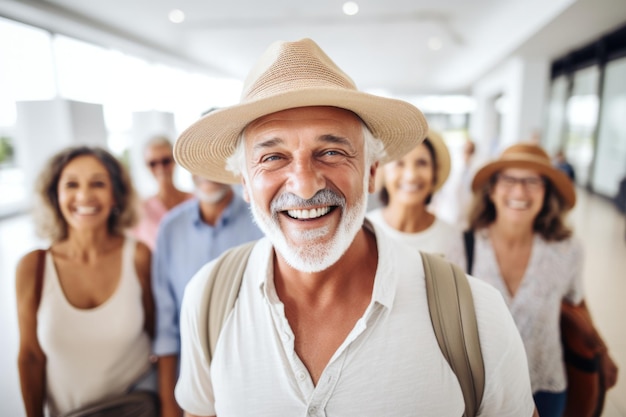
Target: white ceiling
(383, 47)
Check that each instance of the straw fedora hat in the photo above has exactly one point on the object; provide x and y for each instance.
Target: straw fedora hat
(290, 75)
(442, 156)
(528, 156)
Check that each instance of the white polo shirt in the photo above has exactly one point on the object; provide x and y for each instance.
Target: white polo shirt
(389, 365)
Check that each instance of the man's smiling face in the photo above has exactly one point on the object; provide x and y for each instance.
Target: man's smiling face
(307, 182)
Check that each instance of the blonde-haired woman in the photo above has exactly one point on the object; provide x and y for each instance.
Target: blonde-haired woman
(406, 188)
(521, 245)
(85, 308)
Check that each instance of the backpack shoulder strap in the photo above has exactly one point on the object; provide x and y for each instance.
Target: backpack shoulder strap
(453, 317)
(220, 293)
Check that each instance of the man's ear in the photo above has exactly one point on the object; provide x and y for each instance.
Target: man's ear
(371, 186)
(246, 197)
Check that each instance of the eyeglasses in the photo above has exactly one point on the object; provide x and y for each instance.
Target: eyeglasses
(529, 183)
(163, 161)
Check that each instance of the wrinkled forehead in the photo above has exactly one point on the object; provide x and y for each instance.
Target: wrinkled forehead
(330, 120)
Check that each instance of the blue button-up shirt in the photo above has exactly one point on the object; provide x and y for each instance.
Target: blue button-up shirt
(184, 244)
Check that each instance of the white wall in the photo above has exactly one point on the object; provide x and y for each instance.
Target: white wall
(523, 85)
(45, 127)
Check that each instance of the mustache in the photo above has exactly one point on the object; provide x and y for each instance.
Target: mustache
(325, 197)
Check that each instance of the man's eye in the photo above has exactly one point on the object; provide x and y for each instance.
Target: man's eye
(270, 158)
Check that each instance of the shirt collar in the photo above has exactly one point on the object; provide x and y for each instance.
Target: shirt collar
(385, 281)
(231, 210)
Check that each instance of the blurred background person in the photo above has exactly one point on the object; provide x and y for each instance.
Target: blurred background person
(406, 188)
(85, 331)
(160, 161)
(192, 234)
(453, 201)
(522, 246)
(560, 162)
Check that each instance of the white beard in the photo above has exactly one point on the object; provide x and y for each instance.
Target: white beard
(313, 256)
(211, 198)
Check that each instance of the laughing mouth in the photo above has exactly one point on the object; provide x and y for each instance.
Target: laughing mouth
(308, 214)
(518, 204)
(86, 210)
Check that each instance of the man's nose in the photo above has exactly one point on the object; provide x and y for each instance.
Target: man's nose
(304, 179)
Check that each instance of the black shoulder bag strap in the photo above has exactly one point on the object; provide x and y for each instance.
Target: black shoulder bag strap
(468, 239)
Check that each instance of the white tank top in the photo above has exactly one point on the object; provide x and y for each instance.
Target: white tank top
(92, 353)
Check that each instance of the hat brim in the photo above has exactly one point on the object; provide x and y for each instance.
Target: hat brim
(443, 158)
(561, 182)
(204, 147)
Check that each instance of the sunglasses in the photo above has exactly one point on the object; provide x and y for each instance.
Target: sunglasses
(164, 161)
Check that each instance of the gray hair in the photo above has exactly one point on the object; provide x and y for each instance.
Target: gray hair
(156, 141)
(374, 152)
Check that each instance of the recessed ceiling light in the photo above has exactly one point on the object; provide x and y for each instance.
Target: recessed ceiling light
(435, 43)
(350, 8)
(176, 16)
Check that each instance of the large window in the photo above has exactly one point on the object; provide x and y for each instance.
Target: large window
(590, 123)
(581, 119)
(553, 139)
(610, 165)
(37, 65)
(26, 73)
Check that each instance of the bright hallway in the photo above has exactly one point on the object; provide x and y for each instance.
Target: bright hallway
(597, 223)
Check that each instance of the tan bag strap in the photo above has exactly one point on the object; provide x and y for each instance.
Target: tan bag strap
(453, 316)
(221, 292)
(449, 301)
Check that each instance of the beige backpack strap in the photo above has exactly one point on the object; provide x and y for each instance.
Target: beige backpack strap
(453, 316)
(220, 293)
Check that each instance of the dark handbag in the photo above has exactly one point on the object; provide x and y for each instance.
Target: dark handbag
(582, 354)
(133, 404)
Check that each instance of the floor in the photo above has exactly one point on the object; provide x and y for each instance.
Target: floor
(595, 220)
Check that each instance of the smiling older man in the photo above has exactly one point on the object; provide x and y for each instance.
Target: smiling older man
(332, 316)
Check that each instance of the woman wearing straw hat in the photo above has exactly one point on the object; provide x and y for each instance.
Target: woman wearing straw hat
(521, 245)
(406, 188)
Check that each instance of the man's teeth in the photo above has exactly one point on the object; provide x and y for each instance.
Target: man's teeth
(86, 210)
(518, 204)
(308, 214)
